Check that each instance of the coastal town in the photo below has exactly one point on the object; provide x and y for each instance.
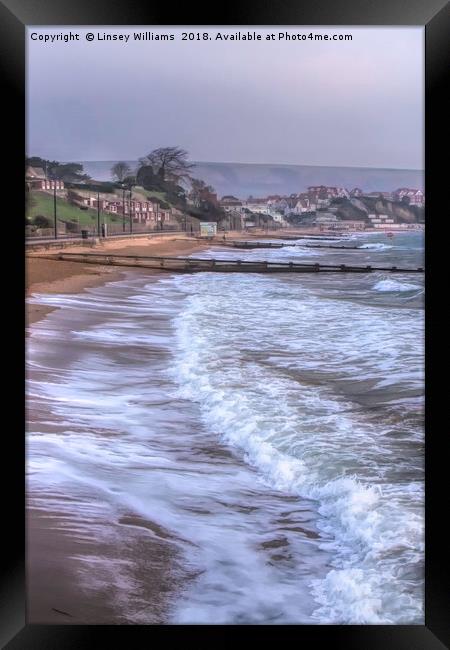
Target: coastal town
(330, 207)
(67, 202)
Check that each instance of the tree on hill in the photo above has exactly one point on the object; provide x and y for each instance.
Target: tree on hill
(120, 170)
(68, 172)
(200, 191)
(175, 194)
(147, 179)
(129, 181)
(152, 182)
(169, 163)
(54, 170)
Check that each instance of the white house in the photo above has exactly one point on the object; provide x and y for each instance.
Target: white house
(37, 180)
(416, 197)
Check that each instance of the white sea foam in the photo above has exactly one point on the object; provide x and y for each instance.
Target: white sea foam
(394, 285)
(378, 246)
(302, 439)
(125, 441)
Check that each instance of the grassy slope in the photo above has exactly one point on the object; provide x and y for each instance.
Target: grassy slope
(43, 205)
(140, 192)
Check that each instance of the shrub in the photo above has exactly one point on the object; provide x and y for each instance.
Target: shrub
(99, 186)
(41, 222)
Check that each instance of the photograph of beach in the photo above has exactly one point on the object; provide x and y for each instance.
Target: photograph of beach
(224, 342)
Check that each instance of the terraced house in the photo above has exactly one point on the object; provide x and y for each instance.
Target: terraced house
(36, 179)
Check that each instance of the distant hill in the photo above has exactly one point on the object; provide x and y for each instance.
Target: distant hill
(243, 180)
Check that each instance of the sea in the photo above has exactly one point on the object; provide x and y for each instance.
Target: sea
(270, 428)
(246, 179)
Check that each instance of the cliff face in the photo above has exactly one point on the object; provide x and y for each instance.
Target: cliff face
(359, 209)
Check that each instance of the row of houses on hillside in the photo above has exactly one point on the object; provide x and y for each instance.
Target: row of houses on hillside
(141, 211)
(316, 197)
(278, 206)
(415, 196)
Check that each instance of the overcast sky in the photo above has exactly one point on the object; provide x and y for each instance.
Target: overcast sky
(357, 103)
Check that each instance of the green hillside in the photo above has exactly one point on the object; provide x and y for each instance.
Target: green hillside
(42, 204)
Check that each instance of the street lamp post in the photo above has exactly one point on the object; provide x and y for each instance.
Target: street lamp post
(131, 218)
(98, 213)
(123, 208)
(54, 211)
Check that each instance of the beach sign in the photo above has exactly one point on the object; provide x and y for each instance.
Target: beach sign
(208, 228)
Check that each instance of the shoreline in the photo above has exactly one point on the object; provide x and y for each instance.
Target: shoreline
(54, 276)
(67, 582)
(57, 556)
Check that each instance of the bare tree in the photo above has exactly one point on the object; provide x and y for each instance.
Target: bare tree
(199, 191)
(197, 186)
(120, 170)
(169, 163)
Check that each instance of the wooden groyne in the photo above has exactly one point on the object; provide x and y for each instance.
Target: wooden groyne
(304, 236)
(341, 248)
(253, 245)
(195, 264)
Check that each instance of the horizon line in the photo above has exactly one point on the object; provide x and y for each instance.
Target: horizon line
(233, 162)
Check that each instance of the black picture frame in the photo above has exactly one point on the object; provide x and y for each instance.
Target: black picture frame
(15, 15)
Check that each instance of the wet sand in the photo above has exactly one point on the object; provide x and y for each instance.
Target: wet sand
(58, 551)
(76, 580)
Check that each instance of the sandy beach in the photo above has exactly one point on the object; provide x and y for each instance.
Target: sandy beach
(48, 276)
